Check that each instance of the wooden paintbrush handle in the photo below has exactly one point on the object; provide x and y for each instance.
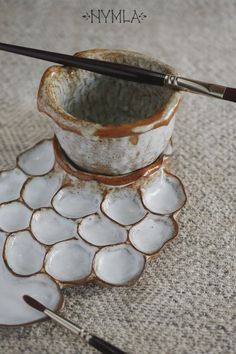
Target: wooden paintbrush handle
(104, 347)
(117, 70)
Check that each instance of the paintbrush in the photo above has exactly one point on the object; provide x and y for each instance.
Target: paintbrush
(94, 341)
(127, 72)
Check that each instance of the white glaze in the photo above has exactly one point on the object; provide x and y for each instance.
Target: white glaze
(48, 227)
(78, 201)
(23, 253)
(11, 183)
(14, 216)
(118, 265)
(107, 156)
(163, 193)
(152, 232)
(70, 260)
(13, 309)
(101, 231)
(39, 191)
(124, 206)
(38, 160)
(168, 150)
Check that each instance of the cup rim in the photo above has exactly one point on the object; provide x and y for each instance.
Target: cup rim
(48, 104)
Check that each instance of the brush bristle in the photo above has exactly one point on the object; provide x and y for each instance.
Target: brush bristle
(34, 303)
(230, 94)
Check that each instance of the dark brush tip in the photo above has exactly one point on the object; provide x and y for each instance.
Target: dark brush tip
(230, 94)
(34, 303)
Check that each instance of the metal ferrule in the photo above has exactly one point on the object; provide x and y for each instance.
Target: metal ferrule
(69, 325)
(195, 86)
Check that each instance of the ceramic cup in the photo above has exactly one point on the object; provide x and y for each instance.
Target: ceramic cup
(106, 125)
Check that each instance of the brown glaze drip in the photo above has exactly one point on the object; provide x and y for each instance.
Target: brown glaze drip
(134, 139)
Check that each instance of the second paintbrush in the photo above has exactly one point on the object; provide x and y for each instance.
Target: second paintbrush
(94, 341)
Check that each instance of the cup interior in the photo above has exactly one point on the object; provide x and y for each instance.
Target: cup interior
(106, 100)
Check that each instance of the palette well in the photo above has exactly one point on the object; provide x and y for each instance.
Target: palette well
(58, 230)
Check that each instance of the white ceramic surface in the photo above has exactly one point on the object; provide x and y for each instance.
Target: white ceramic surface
(49, 227)
(70, 261)
(38, 191)
(13, 310)
(78, 201)
(98, 230)
(150, 234)
(107, 155)
(11, 183)
(163, 193)
(23, 254)
(14, 216)
(111, 244)
(118, 265)
(39, 160)
(124, 206)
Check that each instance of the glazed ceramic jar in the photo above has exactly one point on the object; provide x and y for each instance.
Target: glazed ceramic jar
(107, 125)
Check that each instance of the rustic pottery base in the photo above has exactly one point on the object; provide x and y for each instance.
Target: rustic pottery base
(61, 228)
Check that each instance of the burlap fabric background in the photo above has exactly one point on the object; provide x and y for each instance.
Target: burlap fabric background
(185, 302)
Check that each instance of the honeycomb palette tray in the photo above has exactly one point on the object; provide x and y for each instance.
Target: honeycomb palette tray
(58, 230)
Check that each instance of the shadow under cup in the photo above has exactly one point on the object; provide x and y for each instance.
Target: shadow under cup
(106, 125)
